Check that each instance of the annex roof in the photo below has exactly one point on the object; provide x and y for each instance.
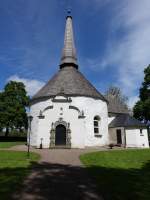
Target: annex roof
(125, 120)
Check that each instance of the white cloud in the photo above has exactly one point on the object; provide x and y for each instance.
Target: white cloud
(32, 85)
(132, 100)
(134, 46)
(128, 48)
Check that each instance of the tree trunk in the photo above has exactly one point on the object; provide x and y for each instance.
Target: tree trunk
(20, 129)
(7, 132)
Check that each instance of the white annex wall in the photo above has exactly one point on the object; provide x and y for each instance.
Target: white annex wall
(135, 139)
(82, 129)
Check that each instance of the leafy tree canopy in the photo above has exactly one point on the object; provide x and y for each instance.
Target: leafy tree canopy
(13, 103)
(142, 107)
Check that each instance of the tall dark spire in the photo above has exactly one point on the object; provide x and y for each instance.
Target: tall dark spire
(69, 52)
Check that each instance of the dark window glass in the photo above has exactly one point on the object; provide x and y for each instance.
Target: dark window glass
(96, 130)
(96, 123)
(96, 118)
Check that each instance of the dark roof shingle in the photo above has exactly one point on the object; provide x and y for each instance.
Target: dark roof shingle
(125, 120)
(71, 82)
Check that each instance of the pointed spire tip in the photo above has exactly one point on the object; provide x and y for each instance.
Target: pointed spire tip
(69, 11)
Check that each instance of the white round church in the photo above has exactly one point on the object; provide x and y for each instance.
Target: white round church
(68, 111)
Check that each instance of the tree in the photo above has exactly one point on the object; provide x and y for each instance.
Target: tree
(117, 102)
(14, 100)
(2, 110)
(141, 109)
(116, 93)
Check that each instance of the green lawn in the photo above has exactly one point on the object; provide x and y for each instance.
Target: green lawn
(9, 144)
(121, 174)
(14, 167)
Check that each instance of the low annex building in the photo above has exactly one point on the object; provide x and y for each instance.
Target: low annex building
(125, 130)
(69, 112)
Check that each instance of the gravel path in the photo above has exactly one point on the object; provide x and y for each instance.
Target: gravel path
(59, 175)
(59, 156)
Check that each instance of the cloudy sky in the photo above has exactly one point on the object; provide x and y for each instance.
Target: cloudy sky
(112, 40)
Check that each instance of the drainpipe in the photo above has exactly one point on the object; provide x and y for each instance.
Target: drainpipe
(124, 138)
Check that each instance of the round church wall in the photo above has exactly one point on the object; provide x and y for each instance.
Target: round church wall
(78, 112)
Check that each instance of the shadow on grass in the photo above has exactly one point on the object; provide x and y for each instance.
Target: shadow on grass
(13, 139)
(10, 180)
(65, 182)
(123, 184)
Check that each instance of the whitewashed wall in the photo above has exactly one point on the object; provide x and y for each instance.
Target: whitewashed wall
(113, 135)
(135, 139)
(82, 130)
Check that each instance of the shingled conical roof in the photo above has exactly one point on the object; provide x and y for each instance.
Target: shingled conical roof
(71, 82)
(68, 80)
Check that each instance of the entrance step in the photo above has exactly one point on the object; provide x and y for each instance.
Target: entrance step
(60, 147)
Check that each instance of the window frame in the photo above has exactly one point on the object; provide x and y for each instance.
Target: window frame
(141, 132)
(96, 124)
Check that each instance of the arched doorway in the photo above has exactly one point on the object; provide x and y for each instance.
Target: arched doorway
(60, 137)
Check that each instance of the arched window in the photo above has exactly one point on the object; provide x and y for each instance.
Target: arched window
(96, 125)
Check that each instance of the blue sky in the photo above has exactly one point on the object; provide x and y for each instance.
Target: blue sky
(112, 39)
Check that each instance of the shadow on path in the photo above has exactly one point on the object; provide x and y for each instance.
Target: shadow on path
(58, 182)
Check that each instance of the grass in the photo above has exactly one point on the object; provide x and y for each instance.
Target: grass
(14, 167)
(10, 144)
(121, 174)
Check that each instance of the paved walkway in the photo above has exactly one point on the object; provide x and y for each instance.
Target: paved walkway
(59, 175)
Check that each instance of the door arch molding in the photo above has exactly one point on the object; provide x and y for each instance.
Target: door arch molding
(53, 130)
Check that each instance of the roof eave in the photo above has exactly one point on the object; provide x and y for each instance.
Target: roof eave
(69, 95)
(68, 64)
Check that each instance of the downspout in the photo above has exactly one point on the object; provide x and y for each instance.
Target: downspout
(124, 138)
